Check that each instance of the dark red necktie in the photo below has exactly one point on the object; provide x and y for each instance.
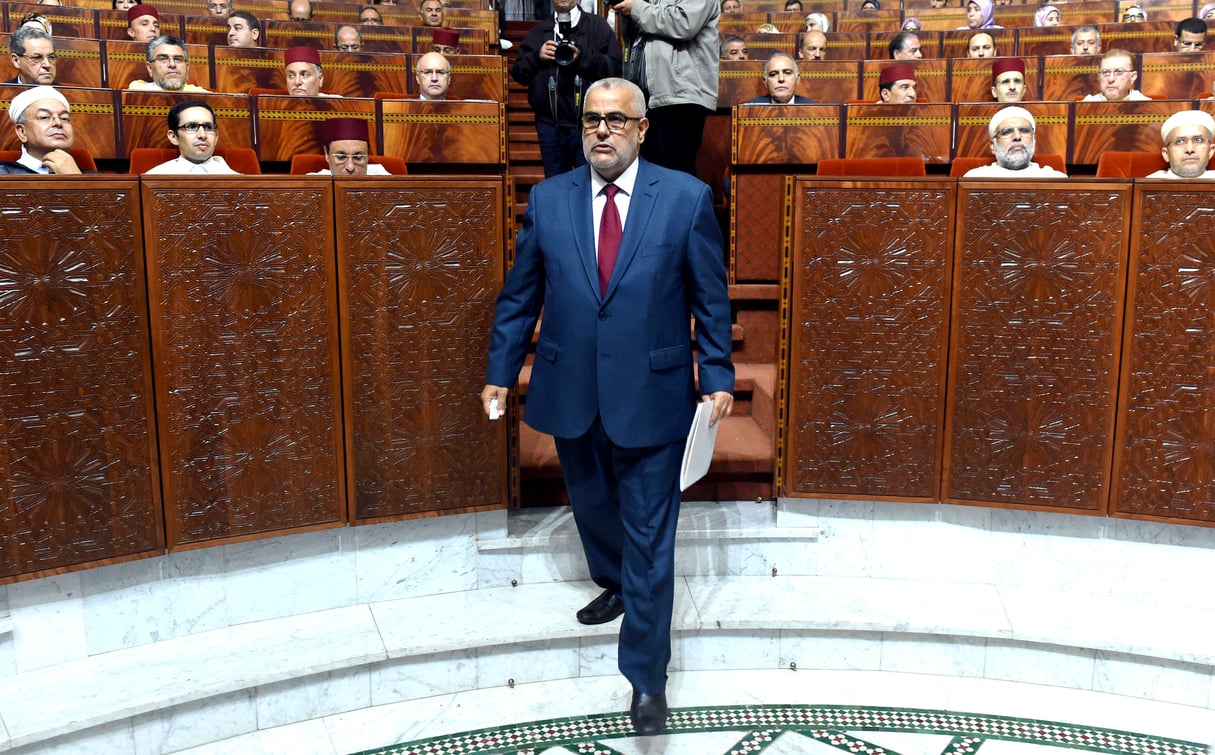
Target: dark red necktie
(609, 236)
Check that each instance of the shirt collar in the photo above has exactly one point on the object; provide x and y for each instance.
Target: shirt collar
(624, 181)
(31, 162)
(575, 16)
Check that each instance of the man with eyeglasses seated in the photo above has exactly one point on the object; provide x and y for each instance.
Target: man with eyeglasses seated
(40, 116)
(780, 77)
(347, 148)
(1187, 145)
(193, 130)
(33, 55)
(168, 67)
(348, 38)
(1190, 35)
(1117, 78)
(433, 74)
(1012, 131)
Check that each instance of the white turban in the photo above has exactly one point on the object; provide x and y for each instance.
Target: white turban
(1188, 118)
(32, 95)
(1006, 113)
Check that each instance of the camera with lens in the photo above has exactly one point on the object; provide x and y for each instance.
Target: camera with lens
(564, 54)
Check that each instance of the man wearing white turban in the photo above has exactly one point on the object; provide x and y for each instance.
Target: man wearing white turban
(1187, 145)
(1012, 131)
(40, 116)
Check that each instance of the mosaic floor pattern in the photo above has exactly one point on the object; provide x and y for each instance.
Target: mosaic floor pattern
(809, 729)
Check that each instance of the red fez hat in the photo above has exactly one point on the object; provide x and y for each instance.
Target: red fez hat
(1004, 65)
(141, 9)
(449, 37)
(302, 54)
(896, 72)
(344, 129)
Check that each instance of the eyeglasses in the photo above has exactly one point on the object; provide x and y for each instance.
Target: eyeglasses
(1006, 133)
(349, 48)
(433, 72)
(37, 59)
(1197, 141)
(179, 59)
(46, 118)
(358, 158)
(193, 128)
(615, 121)
(1116, 73)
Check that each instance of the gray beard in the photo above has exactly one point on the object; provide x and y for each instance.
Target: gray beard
(1015, 161)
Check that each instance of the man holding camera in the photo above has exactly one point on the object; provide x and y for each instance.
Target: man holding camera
(558, 59)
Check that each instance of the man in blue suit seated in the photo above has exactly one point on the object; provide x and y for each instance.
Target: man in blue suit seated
(620, 254)
(780, 76)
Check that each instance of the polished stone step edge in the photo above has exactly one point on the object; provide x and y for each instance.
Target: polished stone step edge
(39, 705)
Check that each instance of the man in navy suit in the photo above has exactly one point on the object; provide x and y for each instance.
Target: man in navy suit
(621, 254)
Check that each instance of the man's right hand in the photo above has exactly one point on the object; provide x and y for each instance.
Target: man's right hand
(491, 392)
(548, 50)
(61, 163)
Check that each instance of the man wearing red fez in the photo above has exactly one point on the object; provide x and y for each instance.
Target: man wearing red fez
(348, 149)
(897, 84)
(1008, 80)
(143, 23)
(445, 41)
(303, 71)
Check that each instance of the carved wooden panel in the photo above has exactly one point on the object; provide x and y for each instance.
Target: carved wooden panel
(144, 115)
(971, 136)
(242, 290)
(917, 130)
(421, 266)
(829, 80)
(931, 79)
(867, 316)
(1178, 74)
(1165, 465)
(289, 126)
(780, 135)
(66, 21)
(77, 447)
(473, 77)
(739, 81)
(1051, 40)
(353, 74)
(127, 61)
(463, 132)
(955, 43)
(757, 213)
(1037, 315)
(113, 25)
(847, 45)
(239, 69)
(1069, 77)
(1120, 126)
(79, 62)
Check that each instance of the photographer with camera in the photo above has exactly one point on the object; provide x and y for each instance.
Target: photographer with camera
(558, 59)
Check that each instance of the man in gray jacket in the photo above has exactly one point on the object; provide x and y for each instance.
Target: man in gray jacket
(681, 65)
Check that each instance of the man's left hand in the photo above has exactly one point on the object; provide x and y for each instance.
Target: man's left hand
(723, 404)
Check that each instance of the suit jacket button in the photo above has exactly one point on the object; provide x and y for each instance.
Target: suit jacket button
(602, 315)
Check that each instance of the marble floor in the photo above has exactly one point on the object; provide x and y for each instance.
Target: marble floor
(778, 712)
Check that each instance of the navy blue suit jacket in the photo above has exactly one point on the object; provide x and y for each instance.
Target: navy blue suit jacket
(626, 355)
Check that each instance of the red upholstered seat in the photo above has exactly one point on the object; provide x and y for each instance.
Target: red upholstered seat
(871, 166)
(240, 159)
(961, 165)
(304, 164)
(83, 159)
(1116, 164)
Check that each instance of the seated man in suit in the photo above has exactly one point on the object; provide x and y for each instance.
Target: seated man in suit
(348, 38)
(1187, 145)
(433, 74)
(981, 45)
(33, 54)
(299, 10)
(733, 47)
(1012, 131)
(904, 46)
(369, 16)
(1117, 78)
(143, 23)
(780, 76)
(195, 132)
(812, 45)
(1008, 80)
(219, 8)
(445, 42)
(896, 85)
(168, 67)
(1086, 40)
(347, 148)
(244, 30)
(1190, 35)
(431, 12)
(41, 118)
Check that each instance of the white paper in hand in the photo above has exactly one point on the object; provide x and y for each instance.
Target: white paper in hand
(698, 451)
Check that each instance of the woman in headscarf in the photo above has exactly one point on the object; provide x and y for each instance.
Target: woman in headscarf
(1207, 12)
(912, 24)
(1047, 15)
(980, 14)
(818, 22)
(871, 5)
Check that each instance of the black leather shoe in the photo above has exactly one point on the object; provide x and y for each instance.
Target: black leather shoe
(603, 609)
(648, 713)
